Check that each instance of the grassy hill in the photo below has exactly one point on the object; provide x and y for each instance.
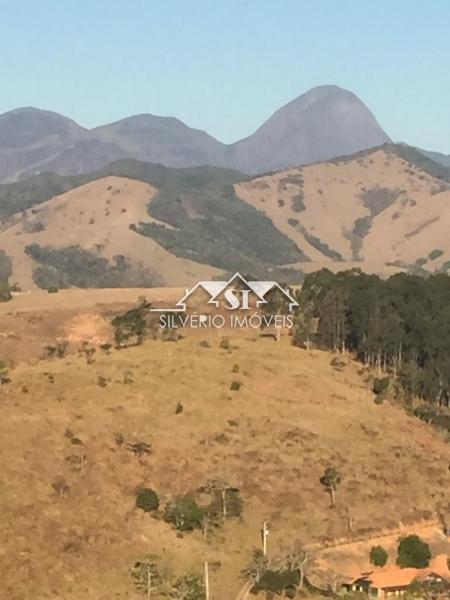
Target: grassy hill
(166, 225)
(383, 210)
(69, 525)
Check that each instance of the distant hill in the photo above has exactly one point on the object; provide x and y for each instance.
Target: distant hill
(325, 122)
(443, 159)
(134, 224)
(380, 210)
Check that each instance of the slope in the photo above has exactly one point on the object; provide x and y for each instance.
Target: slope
(95, 217)
(195, 216)
(381, 210)
(272, 440)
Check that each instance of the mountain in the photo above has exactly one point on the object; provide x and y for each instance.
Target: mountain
(133, 224)
(32, 137)
(162, 140)
(325, 122)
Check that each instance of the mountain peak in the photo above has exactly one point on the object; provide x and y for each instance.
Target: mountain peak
(320, 124)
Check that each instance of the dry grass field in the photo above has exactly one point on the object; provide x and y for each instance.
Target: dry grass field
(96, 216)
(376, 211)
(293, 416)
(406, 211)
(32, 320)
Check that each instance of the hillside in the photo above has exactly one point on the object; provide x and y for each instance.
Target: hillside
(136, 224)
(94, 217)
(325, 122)
(382, 210)
(166, 226)
(68, 519)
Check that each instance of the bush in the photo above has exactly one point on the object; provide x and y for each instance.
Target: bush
(225, 343)
(278, 582)
(147, 500)
(380, 385)
(52, 290)
(189, 587)
(378, 556)
(184, 514)
(235, 386)
(3, 373)
(5, 292)
(413, 552)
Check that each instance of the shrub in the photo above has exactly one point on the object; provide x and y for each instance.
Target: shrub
(225, 343)
(378, 556)
(147, 500)
(101, 381)
(146, 575)
(413, 552)
(5, 292)
(235, 386)
(184, 514)
(3, 373)
(189, 587)
(434, 254)
(380, 385)
(178, 408)
(283, 582)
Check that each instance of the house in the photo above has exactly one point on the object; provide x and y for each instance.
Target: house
(393, 581)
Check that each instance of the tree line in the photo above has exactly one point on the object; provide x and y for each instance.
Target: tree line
(400, 325)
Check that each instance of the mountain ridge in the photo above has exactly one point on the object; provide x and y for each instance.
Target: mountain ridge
(317, 125)
(383, 210)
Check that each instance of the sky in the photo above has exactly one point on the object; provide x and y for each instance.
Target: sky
(225, 66)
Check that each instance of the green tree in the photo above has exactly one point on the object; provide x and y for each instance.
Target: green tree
(413, 552)
(184, 514)
(147, 500)
(378, 556)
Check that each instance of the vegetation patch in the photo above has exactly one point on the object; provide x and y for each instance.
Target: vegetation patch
(72, 266)
(5, 266)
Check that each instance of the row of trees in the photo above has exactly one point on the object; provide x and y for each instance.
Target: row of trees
(401, 325)
(412, 551)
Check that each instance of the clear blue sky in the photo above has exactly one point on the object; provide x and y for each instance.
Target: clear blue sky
(226, 65)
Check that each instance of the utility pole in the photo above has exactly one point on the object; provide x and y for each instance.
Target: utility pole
(206, 580)
(265, 533)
